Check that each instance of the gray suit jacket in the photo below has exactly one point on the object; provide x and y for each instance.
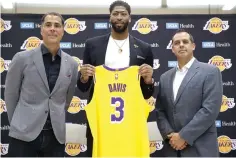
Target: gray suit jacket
(28, 97)
(194, 111)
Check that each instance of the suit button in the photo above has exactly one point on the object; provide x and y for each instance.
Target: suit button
(50, 97)
(46, 111)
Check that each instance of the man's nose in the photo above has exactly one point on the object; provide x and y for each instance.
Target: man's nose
(181, 44)
(119, 17)
(52, 28)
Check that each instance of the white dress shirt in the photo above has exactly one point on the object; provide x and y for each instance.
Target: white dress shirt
(179, 76)
(113, 58)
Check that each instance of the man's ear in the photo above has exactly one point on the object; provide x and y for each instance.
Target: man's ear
(194, 46)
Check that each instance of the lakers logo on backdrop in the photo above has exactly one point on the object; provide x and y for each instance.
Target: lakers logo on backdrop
(155, 145)
(5, 25)
(151, 102)
(226, 144)
(3, 106)
(169, 46)
(227, 103)
(4, 64)
(2, 68)
(145, 26)
(216, 25)
(76, 105)
(220, 62)
(80, 62)
(73, 26)
(4, 148)
(73, 149)
(31, 43)
(156, 64)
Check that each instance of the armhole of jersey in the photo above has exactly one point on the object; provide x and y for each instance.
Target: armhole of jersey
(90, 110)
(147, 107)
(138, 77)
(94, 79)
(93, 96)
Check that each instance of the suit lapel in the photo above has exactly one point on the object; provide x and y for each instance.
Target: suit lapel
(38, 61)
(62, 72)
(102, 50)
(133, 50)
(190, 74)
(171, 79)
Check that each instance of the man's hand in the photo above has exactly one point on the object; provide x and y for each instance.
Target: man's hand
(86, 71)
(170, 135)
(146, 72)
(177, 142)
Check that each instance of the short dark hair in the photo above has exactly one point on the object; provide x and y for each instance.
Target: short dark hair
(120, 3)
(55, 14)
(182, 30)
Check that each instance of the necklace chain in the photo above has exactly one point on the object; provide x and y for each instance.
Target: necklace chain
(120, 47)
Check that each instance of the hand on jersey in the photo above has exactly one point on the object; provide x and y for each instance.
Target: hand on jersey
(176, 141)
(146, 72)
(86, 70)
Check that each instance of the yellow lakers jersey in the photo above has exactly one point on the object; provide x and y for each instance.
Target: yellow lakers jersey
(117, 114)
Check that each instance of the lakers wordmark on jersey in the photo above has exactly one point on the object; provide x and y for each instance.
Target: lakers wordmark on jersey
(118, 113)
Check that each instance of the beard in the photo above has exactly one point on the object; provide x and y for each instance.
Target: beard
(119, 29)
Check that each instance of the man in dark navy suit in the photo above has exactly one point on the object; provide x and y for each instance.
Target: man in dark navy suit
(117, 49)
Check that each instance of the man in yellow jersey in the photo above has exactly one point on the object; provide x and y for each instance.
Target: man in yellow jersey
(118, 113)
(116, 49)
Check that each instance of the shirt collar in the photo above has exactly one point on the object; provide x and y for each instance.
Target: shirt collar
(120, 40)
(45, 50)
(187, 66)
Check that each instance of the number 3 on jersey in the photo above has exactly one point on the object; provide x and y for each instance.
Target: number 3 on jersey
(118, 115)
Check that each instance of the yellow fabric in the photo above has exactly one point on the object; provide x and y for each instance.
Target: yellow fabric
(118, 94)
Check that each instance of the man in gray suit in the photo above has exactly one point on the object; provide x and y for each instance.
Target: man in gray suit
(40, 84)
(188, 103)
